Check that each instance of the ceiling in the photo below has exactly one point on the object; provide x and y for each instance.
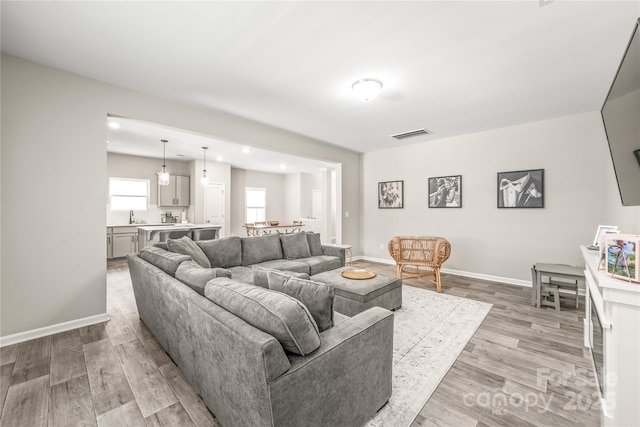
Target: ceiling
(451, 67)
(138, 138)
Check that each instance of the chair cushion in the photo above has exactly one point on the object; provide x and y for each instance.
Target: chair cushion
(317, 297)
(223, 253)
(275, 313)
(164, 260)
(295, 245)
(186, 246)
(259, 249)
(322, 263)
(315, 245)
(260, 275)
(196, 277)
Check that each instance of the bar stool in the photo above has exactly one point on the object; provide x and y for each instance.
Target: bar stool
(172, 234)
(204, 234)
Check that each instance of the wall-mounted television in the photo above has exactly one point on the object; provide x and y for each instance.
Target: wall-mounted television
(621, 116)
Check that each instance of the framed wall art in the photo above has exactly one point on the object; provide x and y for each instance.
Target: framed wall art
(391, 195)
(445, 191)
(521, 189)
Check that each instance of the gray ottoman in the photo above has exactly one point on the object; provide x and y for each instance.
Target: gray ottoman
(355, 296)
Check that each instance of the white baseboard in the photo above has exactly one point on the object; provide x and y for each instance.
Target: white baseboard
(507, 280)
(53, 329)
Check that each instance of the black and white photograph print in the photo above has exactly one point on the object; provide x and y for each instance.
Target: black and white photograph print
(390, 195)
(445, 192)
(521, 189)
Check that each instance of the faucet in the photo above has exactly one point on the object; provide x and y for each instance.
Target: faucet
(131, 220)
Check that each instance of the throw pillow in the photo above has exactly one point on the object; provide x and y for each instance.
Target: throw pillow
(223, 253)
(260, 249)
(164, 260)
(317, 297)
(196, 277)
(277, 314)
(315, 246)
(186, 246)
(260, 275)
(295, 246)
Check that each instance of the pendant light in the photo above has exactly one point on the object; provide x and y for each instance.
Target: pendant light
(204, 181)
(163, 176)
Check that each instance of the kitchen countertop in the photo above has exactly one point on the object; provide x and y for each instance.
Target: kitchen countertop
(133, 225)
(147, 227)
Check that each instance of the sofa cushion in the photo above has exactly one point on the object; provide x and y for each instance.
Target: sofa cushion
(165, 260)
(241, 274)
(317, 297)
(196, 277)
(186, 246)
(275, 313)
(161, 245)
(320, 264)
(223, 253)
(286, 265)
(295, 245)
(260, 275)
(260, 249)
(315, 246)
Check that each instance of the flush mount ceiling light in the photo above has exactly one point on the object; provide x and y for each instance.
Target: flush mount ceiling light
(163, 176)
(366, 89)
(204, 181)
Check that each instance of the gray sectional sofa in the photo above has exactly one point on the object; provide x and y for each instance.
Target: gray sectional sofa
(259, 357)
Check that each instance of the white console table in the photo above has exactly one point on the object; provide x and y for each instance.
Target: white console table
(617, 304)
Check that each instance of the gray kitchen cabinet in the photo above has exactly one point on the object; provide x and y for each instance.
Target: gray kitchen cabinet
(176, 194)
(124, 244)
(109, 240)
(121, 241)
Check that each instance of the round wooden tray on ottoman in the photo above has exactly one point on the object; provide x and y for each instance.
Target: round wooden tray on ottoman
(358, 274)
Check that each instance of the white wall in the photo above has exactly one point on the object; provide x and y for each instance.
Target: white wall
(274, 184)
(292, 197)
(54, 163)
(487, 240)
(124, 166)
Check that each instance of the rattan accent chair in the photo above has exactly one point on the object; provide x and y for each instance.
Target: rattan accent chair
(420, 256)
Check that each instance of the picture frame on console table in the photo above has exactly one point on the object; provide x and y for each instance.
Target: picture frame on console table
(391, 195)
(445, 191)
(622, 255)
(521, 189)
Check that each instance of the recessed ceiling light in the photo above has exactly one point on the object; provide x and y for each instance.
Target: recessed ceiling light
(283, 166)
(107, 141)
(219, 159)
(366, 89)
(246, 150)
(114, 125)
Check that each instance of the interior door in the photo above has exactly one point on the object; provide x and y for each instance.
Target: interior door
(214, 205)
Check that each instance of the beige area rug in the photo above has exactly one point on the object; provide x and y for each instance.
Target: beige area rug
(430, 332)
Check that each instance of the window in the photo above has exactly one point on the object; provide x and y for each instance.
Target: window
(128, 194)
(256, 199)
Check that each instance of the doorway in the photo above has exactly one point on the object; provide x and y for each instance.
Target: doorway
(214, 205)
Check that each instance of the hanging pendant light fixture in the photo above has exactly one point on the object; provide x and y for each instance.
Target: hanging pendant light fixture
(163, 176)
(204, 181)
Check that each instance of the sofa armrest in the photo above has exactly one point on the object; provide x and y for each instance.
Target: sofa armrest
(354, 360)
(337, 251)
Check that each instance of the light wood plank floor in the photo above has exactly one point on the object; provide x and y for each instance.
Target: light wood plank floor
(524, 367)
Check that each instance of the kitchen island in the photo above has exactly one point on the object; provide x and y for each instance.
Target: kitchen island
(148, 235)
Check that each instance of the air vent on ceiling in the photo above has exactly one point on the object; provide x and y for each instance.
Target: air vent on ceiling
(411, 134)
